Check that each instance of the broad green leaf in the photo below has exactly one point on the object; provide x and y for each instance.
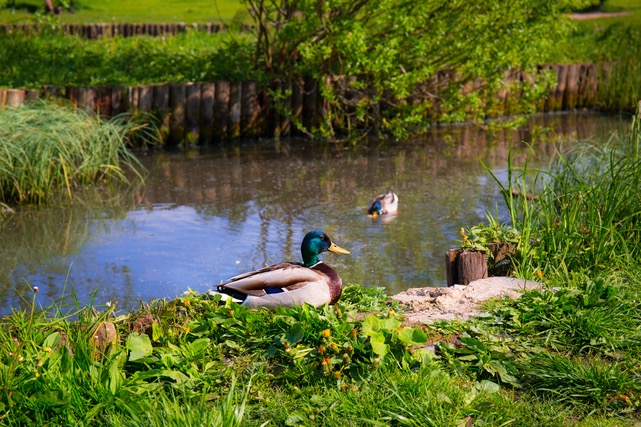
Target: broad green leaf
(412, 336)
(199, 346)
(377, 340)
(53, 340)
(371, 325)
(295, 334)
(156, 332)
(139, 346)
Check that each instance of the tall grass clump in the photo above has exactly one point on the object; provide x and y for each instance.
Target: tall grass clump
(587, 209)
(45, 148)
(620, 80)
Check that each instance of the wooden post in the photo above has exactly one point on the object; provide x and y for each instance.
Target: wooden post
(279, 124)
(235, 97)
(592, 84)
(561, 84)
(192, 113)
(145, 98)
(297, 105)
(103, 101)
(572, 86)
(310, 103)
(3, 97)
(472, 266)
(177, 99)
(87, 98)
(15, 97)
(206, 122)
(119, 100)
(72, 95)
(32, 95)
(582, 85)
(249, 110)
(221, 109)
(451, 266)
(160, 107)
(49, 92)
(463, 266)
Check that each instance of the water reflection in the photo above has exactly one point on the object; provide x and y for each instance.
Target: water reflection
(206, 215)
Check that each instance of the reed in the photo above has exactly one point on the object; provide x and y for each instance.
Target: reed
(45, 148)
(586, 213)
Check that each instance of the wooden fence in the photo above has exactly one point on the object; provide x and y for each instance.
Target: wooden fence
(207, 112)
(95, 31)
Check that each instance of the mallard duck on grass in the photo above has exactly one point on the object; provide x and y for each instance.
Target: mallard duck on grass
(383, 204)
(287, 284)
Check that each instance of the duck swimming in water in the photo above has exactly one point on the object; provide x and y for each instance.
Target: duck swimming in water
(383, 204)
(287, 284)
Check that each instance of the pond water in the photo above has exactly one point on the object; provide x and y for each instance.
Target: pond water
(204, 215)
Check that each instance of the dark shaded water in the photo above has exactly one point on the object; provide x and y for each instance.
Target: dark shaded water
(206, 215)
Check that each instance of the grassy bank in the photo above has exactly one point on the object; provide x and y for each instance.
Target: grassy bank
(564, 356)
(48, 149)
(196, 361)
(66, 60)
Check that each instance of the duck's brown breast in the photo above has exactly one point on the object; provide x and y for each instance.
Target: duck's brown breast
(333, 281)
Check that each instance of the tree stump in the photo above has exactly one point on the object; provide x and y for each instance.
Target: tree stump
(463, 266)
(472, 265)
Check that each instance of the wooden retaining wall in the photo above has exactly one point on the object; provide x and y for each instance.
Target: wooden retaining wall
(208, 112)
(95, 31)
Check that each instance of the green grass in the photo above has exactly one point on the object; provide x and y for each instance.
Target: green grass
(67, 60)
(586, 213)
(47, 150)
(164, 11)
(196, 361)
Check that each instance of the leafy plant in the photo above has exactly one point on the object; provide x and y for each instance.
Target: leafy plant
(382, 69)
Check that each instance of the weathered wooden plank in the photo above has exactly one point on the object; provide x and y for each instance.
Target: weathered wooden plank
(250, 110)
(71, 92)
(119, 100)
(206, 120)
(103, 101)
(451, 266)
(32, 95)
(177, 101)
(221, 109)
(15, 97)
(472, 265)
(87, 98)
(572, 86)
(235, 102)
(192, 113)
(145, 98)
(160, 108)
(298, 90)
(562, 71)
(310, 103)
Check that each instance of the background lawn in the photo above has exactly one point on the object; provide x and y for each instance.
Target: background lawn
(95, 11)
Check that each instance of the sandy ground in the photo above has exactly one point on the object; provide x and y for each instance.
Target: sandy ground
(596, 15)
(425, 305)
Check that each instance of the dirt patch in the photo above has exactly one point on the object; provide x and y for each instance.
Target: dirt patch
(425, 305)
(597, 15)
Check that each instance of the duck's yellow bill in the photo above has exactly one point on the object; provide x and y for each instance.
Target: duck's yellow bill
(337, 249)
(373, 215)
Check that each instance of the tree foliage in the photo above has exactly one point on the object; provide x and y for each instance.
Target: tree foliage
(395, 65)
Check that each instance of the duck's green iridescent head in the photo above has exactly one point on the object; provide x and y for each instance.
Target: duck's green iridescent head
(316, 242)
(375, 208)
